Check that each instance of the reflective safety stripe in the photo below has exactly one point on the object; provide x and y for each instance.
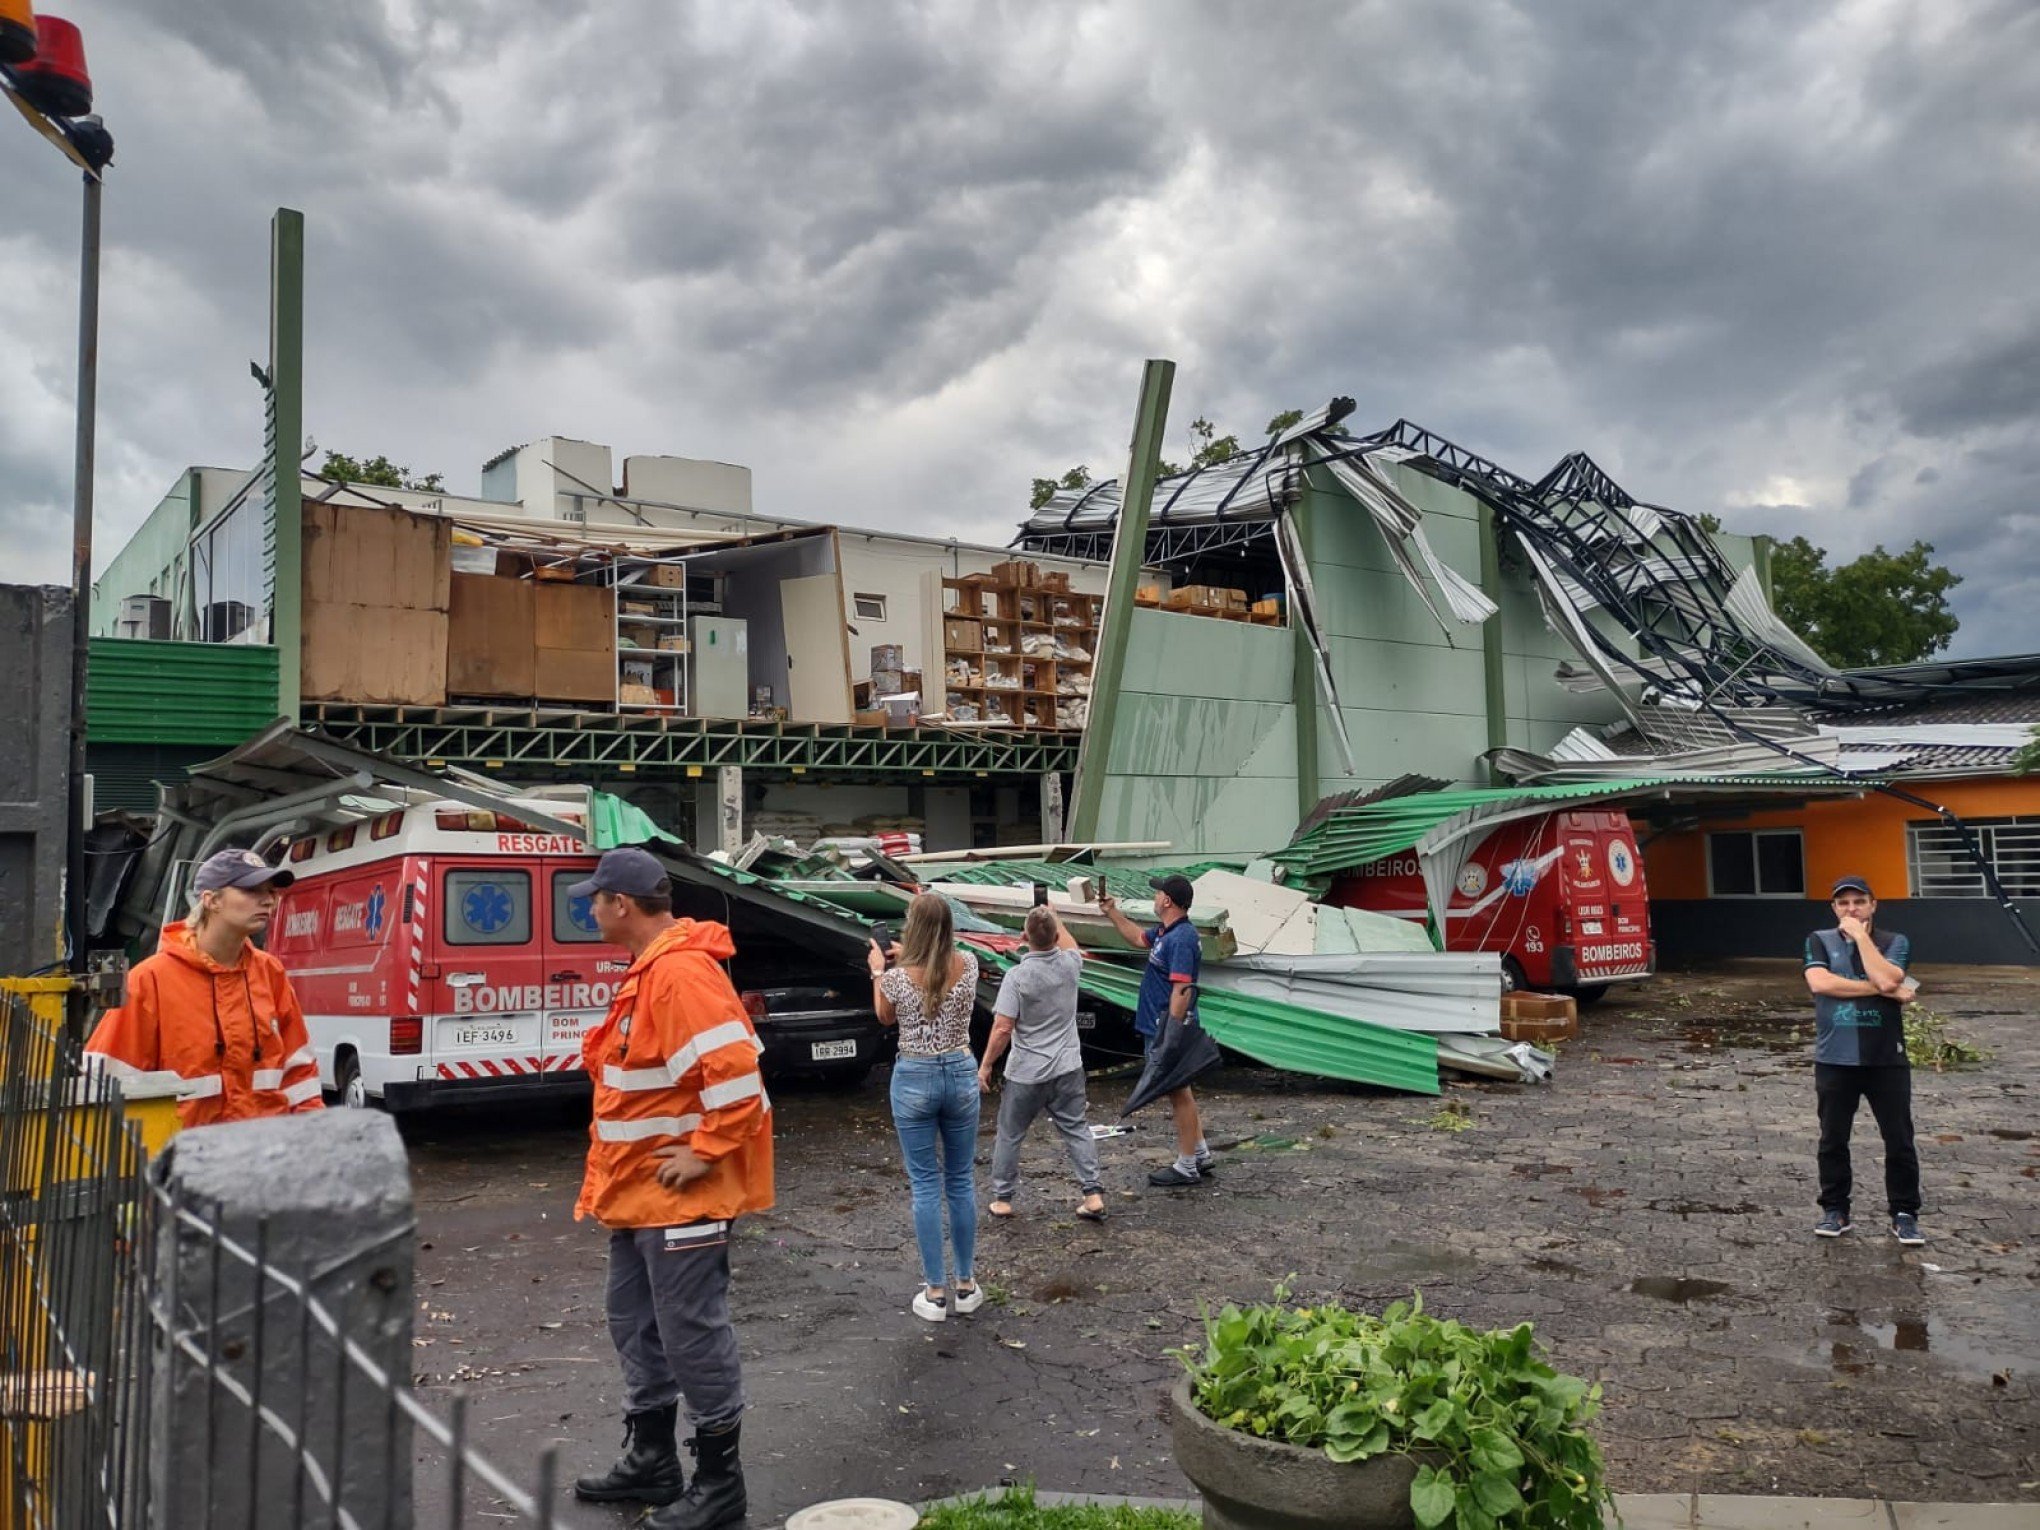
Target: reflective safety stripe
(609, 1130)
(715, 1096)
(299, 1058)
(301, 1091)
(115, 1067)
(716, 1037)
(203, 1087)
(631, 1080)
(268, 1078)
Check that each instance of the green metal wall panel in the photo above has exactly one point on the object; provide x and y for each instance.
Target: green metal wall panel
(180, 693)
(1415, 677)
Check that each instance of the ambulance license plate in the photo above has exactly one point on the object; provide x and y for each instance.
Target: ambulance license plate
(826, 1051)
(484, 1035)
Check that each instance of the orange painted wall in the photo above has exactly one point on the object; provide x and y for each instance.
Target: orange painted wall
(1865, 836)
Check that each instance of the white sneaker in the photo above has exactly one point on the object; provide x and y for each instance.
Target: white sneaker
(934, 1308)
(967, 1301)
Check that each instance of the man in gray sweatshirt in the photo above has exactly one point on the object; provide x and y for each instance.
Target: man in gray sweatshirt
(1037, 1014)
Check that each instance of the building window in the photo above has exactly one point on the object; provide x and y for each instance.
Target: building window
(870, 608)
(1940, 865)
(1761, 863)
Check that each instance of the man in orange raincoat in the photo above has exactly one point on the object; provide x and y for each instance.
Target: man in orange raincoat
(216, 1010)
(680, 1147)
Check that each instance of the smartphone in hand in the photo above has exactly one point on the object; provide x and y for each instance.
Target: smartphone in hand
(882, 936)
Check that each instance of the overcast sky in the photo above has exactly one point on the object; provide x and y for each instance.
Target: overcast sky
(1774, 261)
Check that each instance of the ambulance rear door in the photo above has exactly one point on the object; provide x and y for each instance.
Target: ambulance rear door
(485, 985)
(581, 969)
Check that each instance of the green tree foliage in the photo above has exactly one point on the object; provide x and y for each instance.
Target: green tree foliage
(1880, 608)
(2027, 760)
(1078, 477)
(377, 471)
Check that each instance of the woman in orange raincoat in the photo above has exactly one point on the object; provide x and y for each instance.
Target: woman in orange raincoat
(214, 1009)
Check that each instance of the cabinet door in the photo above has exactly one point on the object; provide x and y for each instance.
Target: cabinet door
(817, 649)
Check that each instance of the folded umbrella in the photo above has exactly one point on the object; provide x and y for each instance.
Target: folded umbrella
(1183, 1053)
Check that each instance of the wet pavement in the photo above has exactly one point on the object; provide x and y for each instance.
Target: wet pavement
(1650, 1212)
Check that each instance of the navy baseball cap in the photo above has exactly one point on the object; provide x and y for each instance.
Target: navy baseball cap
(1178, 888)
(1850, 884)
(634, 873)
(239, 868)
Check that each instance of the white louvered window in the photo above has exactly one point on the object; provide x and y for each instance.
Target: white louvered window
(1940, 866)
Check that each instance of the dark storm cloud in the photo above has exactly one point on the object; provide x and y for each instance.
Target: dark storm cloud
(1766, 261)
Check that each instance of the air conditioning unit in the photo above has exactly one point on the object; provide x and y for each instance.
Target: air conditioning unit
(143, 616)
(225, 620)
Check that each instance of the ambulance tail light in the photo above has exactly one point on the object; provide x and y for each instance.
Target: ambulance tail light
(754, 1005)
(407, 1036)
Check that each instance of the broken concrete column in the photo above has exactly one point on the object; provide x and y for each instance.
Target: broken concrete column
(326, 1199)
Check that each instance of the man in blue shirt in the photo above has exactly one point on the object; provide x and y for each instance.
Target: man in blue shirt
(1168, 992)
(1858, 979)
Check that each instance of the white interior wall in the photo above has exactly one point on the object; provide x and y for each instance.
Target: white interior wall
(723, 487)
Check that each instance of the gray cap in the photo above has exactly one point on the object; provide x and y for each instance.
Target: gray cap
(239, 868)
(632, 872)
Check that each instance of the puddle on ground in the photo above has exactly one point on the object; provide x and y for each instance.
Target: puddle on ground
(1399, 1261)
(1539, 1170)
(1684, 1289)
(1545, 1266)
(1913, 1334)
(1707, 1208)
(2009, 1134)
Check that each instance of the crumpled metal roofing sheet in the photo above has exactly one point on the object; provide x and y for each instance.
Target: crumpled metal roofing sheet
(1290, 1037)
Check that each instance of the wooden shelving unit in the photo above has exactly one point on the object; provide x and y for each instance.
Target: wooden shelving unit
(1016, 654)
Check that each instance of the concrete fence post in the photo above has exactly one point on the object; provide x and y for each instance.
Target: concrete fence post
(326, 1199)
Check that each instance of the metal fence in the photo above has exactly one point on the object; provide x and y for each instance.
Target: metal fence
(162, 1367)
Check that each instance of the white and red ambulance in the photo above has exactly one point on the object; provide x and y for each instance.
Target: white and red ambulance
(1562, 897)
(439, 956)
(441, 959)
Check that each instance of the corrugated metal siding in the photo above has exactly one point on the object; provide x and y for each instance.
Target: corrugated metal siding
(124, 776)
(179, 693)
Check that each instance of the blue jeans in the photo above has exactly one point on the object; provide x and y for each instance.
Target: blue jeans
(935, 1111)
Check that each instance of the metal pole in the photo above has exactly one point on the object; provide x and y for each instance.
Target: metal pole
(1129, 553)
(81, 571)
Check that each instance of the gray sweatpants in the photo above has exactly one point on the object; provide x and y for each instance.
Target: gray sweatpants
(1063, 1098)
(669, 1317)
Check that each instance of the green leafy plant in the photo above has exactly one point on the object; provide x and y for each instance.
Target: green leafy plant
(1016, 1509)
(1501, 1437)
(1928, 1044)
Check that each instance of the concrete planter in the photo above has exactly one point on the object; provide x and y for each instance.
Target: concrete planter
(1249, 1483)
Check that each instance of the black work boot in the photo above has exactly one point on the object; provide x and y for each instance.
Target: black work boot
(649, 1469)
(716, 1495)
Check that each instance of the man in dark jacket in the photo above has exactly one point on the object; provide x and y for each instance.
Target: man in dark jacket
(1857, 974)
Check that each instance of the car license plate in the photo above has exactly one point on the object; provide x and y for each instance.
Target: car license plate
(826, 1051)
(1086, 1021)
(484, 1035)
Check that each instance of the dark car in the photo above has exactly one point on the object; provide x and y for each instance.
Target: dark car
(813, 1016)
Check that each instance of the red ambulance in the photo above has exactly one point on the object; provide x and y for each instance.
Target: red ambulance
(438, 954)
(441, 959)
(1562, 897)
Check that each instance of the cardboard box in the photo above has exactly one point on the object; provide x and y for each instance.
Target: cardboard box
(632, 695)
(860, 694)
(1267, 607)
(887, 656)
(638, 634)
(490, 647)
(1057, 583)
(902, 711)
(888, 682)
(1016, 572)
(673, 645)
(1148, 595)
(869, 719)
(574, 616)
(962, 634)
(376, 654)
(575, 637)
(568, 674)
(365, 556)
(912, 680)
(1539, 1018)
(666, 576)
